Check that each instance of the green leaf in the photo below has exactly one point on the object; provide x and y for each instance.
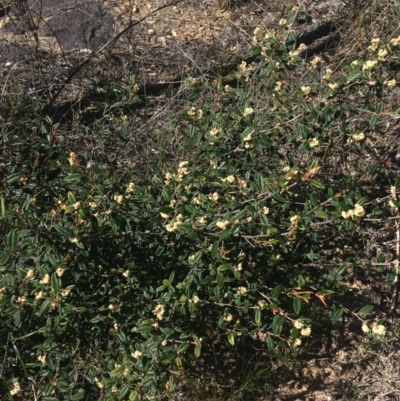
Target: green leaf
(74, 177)
(220, 279)
(259, 181)
(215, 249)
(55, 284)
(270, 343)
(301, 281)
(225, 234)
(71, 198)
(117, 371)
(2, 208)
(166, 209)
(15, 177)
(317, 183)
(336, 314)
(353, 75)
(223, 268)
(178, 362)
(197, 350)
(296, 305)
(366, 309)
(12, 240)
(277, 323)
(231, 338)
(257, 316)
(44, 306)
(124, 391)
(197, 256)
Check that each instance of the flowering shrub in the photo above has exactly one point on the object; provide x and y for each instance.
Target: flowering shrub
(137, 271)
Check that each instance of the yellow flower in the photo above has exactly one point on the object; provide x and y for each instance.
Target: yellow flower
(118, 198)
(333, 86)
(378, 329)
(131, 188)
(65, 293)
(283, 22)
(365, 328)
(382, 54)
(74, 240)
(229, 179)
(298, 324)
(60, 271)
(222, 224)
(328, 74)
(313, 142)
(374, 44)
(302, 47)
(316, 61)
(242, 183)
(239, 267)
(76, 205)
(241, 290)
(126, 273)
(297, 342)
(98, 383)
(22, 300)
(45, 279)
(112, 307)
(390, 83)
(195, 299)
(228, 317)
(248, 137)
(164, 343)
(242, 66)
(358, 137)
(42, 359)
(278, 86)
(203, 220)
(93, 204)
(40, 294)
(306, 90)
(265, 210)
(192, 111)
(137, 354)
(215, 131)
(294, 220)
(358, 210)
(348, 214)
(214, 197)
(306, 331)
(73, 159)
(16, 389)
(395, 41)
(159, 311)
(262, 304)
(368, 65)
(30, 274)
(164, 215)
(248, 111)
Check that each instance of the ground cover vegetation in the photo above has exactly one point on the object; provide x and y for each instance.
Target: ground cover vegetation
(241, 224)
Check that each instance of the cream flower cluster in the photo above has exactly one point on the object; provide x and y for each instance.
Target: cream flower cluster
(377, 329)
(305, 330)
(182, 171)
(295, 53)
(174, 224)
(358, 211)
(159, 311)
